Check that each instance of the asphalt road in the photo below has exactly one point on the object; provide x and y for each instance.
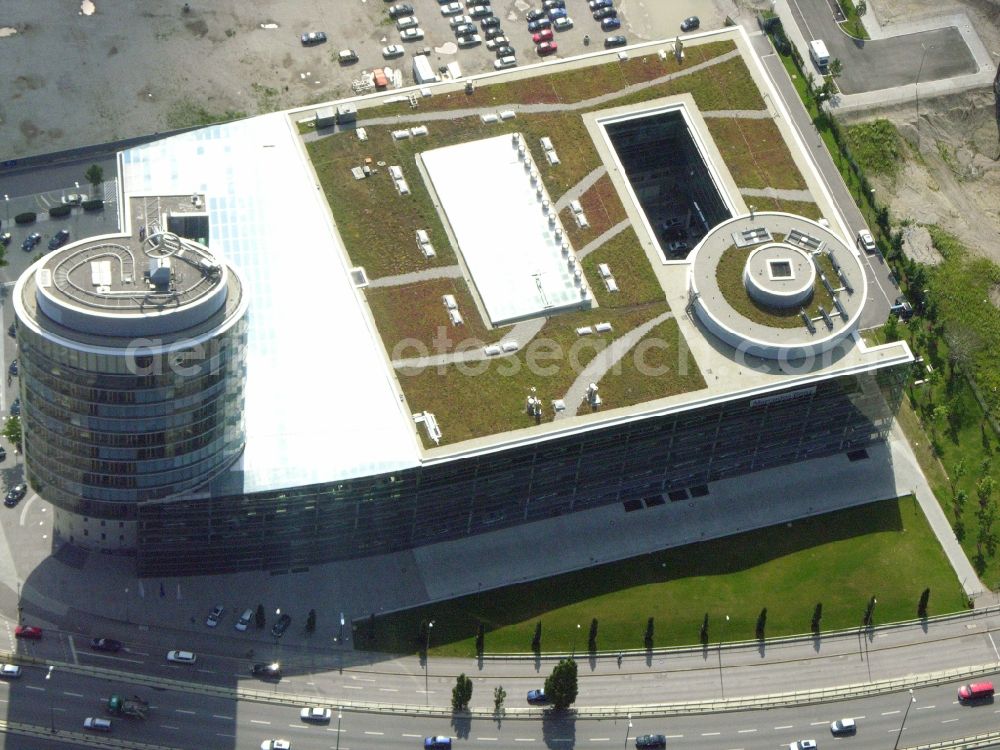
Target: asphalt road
(884, 63)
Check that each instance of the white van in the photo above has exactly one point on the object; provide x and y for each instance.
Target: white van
(819, 54)
(507, 61)
(244, 621)
(97, 725)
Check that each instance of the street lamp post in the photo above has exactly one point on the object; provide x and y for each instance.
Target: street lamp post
(52, 716)
(340, 715)
(427, 663)
(575, 635)
(126, 604)
(722, 684)
(906, 713)
(627, 730)
(20, 607)
(6, 200)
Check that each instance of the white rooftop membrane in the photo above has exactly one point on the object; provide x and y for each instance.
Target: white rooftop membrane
(320, 403)
(503, 234)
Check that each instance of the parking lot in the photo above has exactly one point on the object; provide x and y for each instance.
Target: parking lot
(128, 69)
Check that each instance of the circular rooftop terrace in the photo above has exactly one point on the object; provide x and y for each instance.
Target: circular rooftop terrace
(776, 285)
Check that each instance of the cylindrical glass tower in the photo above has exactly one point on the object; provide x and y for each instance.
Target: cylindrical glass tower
(132, 367)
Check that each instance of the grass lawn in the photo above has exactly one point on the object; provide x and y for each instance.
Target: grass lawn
(801, 208)
(487, 397)
(729, 274)
(416, 313)
(603, 209)
(660, 365)
(755, 153)
(627, 261)
(727, 85)
(884, 549)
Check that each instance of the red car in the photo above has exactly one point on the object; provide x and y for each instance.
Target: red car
(28, 631)
(545, 35)
(546, 48)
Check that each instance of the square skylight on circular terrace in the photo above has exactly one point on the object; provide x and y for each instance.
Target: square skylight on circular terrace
(507, 229)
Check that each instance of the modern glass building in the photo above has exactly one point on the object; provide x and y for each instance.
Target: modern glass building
(132, 369)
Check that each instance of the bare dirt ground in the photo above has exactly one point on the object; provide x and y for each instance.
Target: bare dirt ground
(952, 175)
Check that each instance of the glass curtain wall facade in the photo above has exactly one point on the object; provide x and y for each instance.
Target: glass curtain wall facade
(292, 529)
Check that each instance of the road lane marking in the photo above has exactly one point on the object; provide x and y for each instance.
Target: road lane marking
(184, 711)
(220, 716)
(375, 734)
(168, 726)
(363, 679)
(118, 658)
(73, 695)
(924, 708)
(486, 739)
(818, 723)
(76, 659)
(353, 687)
(710, 734)
(260, 721)
(994, 646)
(948, 721)
(524, 739)
(34, 687)
(891, 713)
(674, 736)
(746, 731)
(787, 726)
(405, 735)
(600, 739)
(388, 690)
(219, 734)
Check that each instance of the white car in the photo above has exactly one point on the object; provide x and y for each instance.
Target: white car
(472, 40)
(275, 745)
(411, 35)
(803, 745)
(562, 24)
(410, 22)
(74, 199)
(509, 61)
(215, 615)
(866, 243)
(497, 42)
(843, 727)
(451, 9)
(181, 657)
(315, 714)
(393, 50)
(10, 671)
(459, 20)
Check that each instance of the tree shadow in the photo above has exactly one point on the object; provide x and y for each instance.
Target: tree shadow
(461, 722)
(479, 662)
(559, 729)
(592, 660)
(760, 647)
(816, 641)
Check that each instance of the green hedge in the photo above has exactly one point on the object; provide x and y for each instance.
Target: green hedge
(93, 205)
(27, 217)
(57, 211)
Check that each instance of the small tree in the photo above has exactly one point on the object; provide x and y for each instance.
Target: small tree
(984, 489)
(761, 624)
(592, 637)
(649, 633)
(12, 431)
(259, 618)
(861, 7)
(536, 642)
(461, 694)
(836, 68)
(499, 696)
(704, 631)
(561, 686)
(95, 176)
(922, 604)
(817, 616)
(311, 621)
(480, 639)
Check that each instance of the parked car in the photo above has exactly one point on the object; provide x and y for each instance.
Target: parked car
(537, 696)
(97, 724)
(539, 24)
(650, 740)
(347, 56)
(615, 41)
(496, 42)
(30, 632)
(690, 23)
(279, 627)
(678, 246)
(106, 644)
(451, 9)
(459, 20)
(409, 22)
(275, 745)
(10, 671)
(550, 4)
(480, 11)
(182, 657)
(803, 745)
(562, 24)
(15, 407)
(493, 33)
(605, 13)
(843, 727)
(534, 14)
(399, 10)
(74, 199)
(266, 671)
(437, 743)
(506, 51)
(313, 37)
(545, 35)
(866, 242)
(215, 615)
(316, 714)
(557, 13)
(393, 50)
(12, 368)
(595, 4)
(610, 24)
(30, 241)
(59, 239)
(902, 308)
(5, 238)
(243, 622)
(472, 40)
(3, 453)
(546, 48)
(412, 35)
(490, 22)
(15, 495)
(465, 29)
(506, 61)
